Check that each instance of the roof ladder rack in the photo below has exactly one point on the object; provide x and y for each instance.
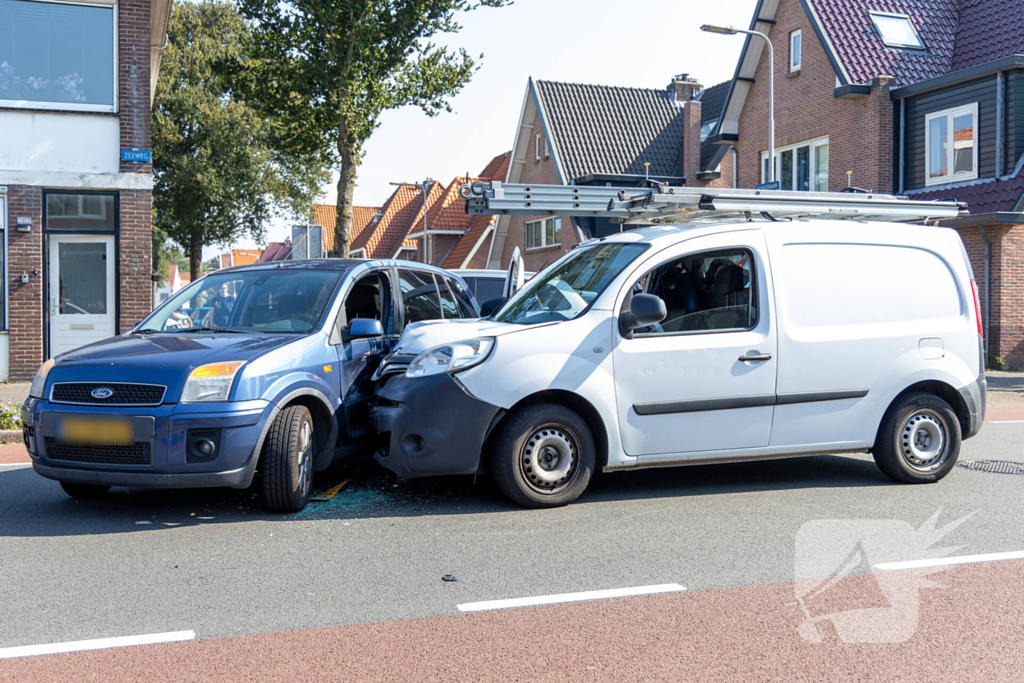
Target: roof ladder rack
(664, 204)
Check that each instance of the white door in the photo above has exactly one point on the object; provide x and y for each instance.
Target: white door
(704, 378)
(81, 290)
(515, 276)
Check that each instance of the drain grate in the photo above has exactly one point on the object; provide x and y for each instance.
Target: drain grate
(995, 466)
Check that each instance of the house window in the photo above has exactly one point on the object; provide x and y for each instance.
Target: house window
(57, 55)
(536, 147)
(795, 46)
(544, 233)
(802, 167)
(951, 151)
(707, 128)
(896, 30)
(93, 211)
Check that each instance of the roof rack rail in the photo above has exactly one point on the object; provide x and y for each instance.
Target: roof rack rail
(663, 204)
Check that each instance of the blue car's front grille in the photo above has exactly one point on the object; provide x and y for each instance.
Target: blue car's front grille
(136, 454)
(108, 394)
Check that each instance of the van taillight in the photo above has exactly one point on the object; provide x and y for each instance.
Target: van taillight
(977, 307)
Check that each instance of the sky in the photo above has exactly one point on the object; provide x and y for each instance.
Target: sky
(603, 42)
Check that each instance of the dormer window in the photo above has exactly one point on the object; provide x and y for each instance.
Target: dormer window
(896, 30)
(707, 128)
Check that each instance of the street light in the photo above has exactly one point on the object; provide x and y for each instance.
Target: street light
(424, 189)
(730, 31)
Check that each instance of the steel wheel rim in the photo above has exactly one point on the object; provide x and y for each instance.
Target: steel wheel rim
(305, 458)
(549, 459)
(924, 441)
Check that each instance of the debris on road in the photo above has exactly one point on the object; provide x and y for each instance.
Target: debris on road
(329, 494)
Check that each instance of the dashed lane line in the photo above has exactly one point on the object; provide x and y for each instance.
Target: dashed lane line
(950, 561)
(570, 597)
(96, 644)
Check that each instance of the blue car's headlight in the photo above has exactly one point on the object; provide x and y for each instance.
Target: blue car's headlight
(450, 357)
(210, 382)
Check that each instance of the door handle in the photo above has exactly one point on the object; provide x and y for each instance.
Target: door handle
(756, 358)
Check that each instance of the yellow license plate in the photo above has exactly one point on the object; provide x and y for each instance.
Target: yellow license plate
(81, 431)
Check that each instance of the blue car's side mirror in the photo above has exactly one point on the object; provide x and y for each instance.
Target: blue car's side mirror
(365, 327)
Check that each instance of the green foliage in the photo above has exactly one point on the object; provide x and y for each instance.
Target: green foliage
(10, 416)
(212, 265)
(329, 68)
(166, 254)
(221, 168)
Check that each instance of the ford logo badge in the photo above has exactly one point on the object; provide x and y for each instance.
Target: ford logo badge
(101, 392)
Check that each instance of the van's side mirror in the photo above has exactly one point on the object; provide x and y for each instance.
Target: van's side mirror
(644, 310)
(365, 327)
(491, 306)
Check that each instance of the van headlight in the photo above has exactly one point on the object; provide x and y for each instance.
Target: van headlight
(450, 357)
(39, 381)
(211, 382)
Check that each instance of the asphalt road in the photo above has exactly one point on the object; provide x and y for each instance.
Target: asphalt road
(214, 562)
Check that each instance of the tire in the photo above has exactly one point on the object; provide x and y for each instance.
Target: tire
(76, 490)
(919, 440)
(545, 430)
(287, 460)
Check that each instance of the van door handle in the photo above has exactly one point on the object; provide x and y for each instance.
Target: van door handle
(756, 358)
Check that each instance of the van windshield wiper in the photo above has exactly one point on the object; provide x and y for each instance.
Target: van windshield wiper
(209, 329)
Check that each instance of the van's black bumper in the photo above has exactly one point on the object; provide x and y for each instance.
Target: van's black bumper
(433, 426)
(975, 396)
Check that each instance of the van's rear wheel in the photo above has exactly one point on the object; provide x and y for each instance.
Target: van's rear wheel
(76, 490)
(919, 441)
(288, 460)
(544, 456)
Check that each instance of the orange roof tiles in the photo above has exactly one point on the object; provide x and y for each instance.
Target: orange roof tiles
(402, 211)
(327, 217)
(245, 257)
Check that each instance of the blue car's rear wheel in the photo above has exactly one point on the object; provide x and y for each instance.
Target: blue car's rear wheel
(287, 460)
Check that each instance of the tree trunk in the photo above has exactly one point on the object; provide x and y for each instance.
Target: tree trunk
(346, 189)
(195, 254)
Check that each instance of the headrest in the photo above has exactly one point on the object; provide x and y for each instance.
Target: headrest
(363, 300)
(728, 279)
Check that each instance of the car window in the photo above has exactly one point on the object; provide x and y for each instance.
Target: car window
(487, 288)
(455, 300)
(420, 300)
(369, 298)
(703, 292)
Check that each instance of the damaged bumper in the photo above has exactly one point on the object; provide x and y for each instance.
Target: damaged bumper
(432, 425)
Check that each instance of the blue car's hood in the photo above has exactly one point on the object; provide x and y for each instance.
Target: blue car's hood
(159, 358)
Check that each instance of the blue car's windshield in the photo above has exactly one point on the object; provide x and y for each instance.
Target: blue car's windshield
(568, 286)
(279, 300)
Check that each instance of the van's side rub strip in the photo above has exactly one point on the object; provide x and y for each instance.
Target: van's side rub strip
(732, 403)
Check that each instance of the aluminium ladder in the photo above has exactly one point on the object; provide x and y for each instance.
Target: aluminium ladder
(663, 204)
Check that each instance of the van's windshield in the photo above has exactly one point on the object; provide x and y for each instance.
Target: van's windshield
(568, 286)
(279, 300)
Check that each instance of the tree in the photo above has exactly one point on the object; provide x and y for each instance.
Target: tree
(166, 253)
(331, 67)
(221, 169)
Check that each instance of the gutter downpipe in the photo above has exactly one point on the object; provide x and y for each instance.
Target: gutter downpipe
(988, 284)
(735, 169)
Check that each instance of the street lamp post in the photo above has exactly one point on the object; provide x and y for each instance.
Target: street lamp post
(424, 188)
(730, 31)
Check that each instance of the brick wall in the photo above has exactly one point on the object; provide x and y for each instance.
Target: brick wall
(133, 80)
(135, 257)
(25, 301)
(692, 149)
(859, 130)
(536, 172)
(1008, 321)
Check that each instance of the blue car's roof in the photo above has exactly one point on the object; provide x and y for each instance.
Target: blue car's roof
(337, 264)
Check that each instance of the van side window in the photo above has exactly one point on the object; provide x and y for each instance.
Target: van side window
(710, 291)
(420, 300)
(455, 300)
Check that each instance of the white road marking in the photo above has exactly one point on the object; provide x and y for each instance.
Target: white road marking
(98, 644)
(13, 465)
(950, 561)
(570, 597)
(1004, 422)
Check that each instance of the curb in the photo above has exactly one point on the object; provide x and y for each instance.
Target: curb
(11, 436)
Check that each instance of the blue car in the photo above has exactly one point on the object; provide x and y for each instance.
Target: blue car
(266, 367)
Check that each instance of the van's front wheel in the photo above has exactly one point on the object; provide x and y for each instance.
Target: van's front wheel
(544, 456)
(288, 460)
(919, 441)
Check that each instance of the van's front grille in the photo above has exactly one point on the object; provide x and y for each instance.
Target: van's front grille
(394, 364)
(135, 454)
(108, 393)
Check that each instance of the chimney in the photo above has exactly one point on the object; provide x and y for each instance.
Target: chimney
(684, 88)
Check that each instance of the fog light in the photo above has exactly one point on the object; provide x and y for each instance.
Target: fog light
(202, 445)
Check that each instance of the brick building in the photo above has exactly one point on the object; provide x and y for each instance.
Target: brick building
(919, 97)
(76, 84)
(577, 134)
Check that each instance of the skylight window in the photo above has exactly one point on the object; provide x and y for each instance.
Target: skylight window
(896, 30)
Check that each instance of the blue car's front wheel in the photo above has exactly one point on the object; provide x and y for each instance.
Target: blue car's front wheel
(287, 460)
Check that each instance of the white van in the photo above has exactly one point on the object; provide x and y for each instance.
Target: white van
(741, 340)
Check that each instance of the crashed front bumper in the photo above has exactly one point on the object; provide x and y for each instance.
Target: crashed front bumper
(433, 426)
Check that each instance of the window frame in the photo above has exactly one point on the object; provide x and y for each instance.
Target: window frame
(542, 222)
(920, 47)
(401, 297)
(950, 115)
(5, 286)
(796, 37)
(812, 145)
(114, 107)
(755, 297)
